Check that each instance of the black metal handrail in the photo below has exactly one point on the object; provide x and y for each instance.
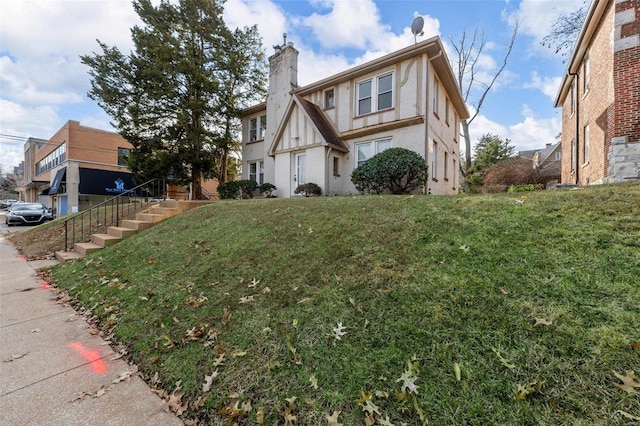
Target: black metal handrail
(79, 227)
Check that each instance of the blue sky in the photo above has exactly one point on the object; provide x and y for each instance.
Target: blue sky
(43, 84)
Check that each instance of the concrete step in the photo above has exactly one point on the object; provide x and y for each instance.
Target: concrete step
(170, 204)
(104, 240)
(138, 225)
(86, 248)
(64, 256)
(165, 211)
(121, 231)
(149, 217)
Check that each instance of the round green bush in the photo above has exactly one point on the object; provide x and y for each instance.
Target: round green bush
(396, 170)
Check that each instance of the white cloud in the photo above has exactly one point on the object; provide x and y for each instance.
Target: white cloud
(547, 85)
(269, 18)
(353, 23)
(535, 19)
(530, 133)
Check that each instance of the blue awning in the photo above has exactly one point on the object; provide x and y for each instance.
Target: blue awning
(55, 185)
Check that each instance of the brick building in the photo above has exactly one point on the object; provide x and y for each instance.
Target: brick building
(600, 97)
(78, 167)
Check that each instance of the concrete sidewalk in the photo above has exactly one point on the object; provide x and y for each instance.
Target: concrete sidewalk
(53, 371)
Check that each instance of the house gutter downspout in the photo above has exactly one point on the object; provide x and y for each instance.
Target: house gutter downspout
(577, 113)
(426, 120)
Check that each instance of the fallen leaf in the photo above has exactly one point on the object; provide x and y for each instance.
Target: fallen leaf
(531, 388)
(313, 381)
(254, 283)
(542, 322)
(332, 420)
(36, 330)
(239, 354)
(628, 416)
(503, 290)
(14, 357)
(629, 381)
(260, 417)
(457, 371)
(208, 380)
(125, 375)
(219, 360)
(503, 360)
(246, 299)
(338, 331)
(305, 300)
(635, 345)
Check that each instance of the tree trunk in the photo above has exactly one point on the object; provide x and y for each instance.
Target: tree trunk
(467, 144)
(196, 184)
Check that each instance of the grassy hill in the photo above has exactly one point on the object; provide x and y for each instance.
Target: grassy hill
(506, 309)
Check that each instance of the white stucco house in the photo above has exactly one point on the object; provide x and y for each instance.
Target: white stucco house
(320, 132)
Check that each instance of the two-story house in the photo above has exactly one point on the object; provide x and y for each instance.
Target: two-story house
(321, 132)
(600, 97)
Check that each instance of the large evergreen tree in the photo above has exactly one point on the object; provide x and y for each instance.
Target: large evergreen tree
(489, 150)
(176, 98)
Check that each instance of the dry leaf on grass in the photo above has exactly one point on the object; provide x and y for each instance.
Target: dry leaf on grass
(628, 416)
(629, 381)
(332, 420)
(635, 345)
(542, 322)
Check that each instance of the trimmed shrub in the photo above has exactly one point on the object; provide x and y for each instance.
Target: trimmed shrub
(512, 171)
(308, 189)
(396, 170)
(266, 189)
(247, 188)
(237, 189)
(229, 190)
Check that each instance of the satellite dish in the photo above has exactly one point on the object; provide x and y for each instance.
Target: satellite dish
(416, 27)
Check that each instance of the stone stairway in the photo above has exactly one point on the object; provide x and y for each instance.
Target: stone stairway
(144, 220)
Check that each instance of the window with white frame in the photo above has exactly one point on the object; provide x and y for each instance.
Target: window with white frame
(446, 110)
(446, 165)
(434, 161)
(367, 150)
(436, 95)
(558, 156)
(586, 143)
(329, 99)
(382, 86)
(256, 172)
(574, 99)
(257, 128)
(587, 73)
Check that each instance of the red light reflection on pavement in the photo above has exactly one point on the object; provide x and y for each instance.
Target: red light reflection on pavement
(92, 356)
(45, 286)
(22, 259)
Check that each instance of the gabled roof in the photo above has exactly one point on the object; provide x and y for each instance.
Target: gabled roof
(434, 49)
(592, 20)
(318, 120)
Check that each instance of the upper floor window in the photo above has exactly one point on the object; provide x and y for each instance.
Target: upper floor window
(446, 111)
(587, 73)
(329, 99)
(367, 150)
(446, 165)
(123, 156)
(558, 156)
(574, 99)
(54, 158)
(436, 95)
(382, 86)
(257, 128)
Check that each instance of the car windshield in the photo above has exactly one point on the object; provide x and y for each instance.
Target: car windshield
(26, 206)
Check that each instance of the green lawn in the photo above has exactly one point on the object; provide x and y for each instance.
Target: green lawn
(506, 309)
